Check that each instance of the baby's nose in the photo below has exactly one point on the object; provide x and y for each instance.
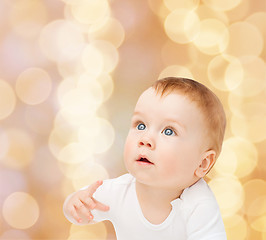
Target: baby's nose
(147, 142)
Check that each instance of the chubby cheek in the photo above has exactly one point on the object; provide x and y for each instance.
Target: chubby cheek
(176, 169)
(128, 148)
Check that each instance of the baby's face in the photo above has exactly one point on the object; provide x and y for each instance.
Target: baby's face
(165, 142)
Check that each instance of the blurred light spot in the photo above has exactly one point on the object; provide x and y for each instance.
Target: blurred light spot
(8, 99)
(236, 227)
(255, 189)
(107, 85)
(222, 5)
(213, 37)
(225, 72)
(187, 4)
(60, 136)
(254, 78)
(225, 188)
(112, 32)
(248, 108)
(182, 25)
(88, 173)
(258, 19)
(89, 11)
(259, 224)
(33, 86)
(20, 151)
(69, 169)
(246, 155)
(74, 153)
(20, 210)
(109, 54)
(66, 85)
(176, 71)
(92, 60)
(245, 40)
(158, 8)
(92, 231)
(61, 41)
(204, 12)
(27, 17)
(98, 133)
(257, 207)
(253, 129)
(227, 162)
(79, 102)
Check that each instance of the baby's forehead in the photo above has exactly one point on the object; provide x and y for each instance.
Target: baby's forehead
(151, 94)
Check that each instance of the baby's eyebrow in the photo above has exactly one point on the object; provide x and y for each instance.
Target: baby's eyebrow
(136, 113)
(175, 121)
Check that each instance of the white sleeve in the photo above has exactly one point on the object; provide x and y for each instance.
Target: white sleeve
(205, 222)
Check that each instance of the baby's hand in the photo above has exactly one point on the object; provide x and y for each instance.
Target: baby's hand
(78, 206)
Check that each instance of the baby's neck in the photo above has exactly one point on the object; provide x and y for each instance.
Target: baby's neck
(155, 202)
(157, 194)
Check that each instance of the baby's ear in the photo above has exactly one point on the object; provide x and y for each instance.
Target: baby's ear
(206, 163)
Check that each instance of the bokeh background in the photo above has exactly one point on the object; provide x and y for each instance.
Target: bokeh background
(70, 74)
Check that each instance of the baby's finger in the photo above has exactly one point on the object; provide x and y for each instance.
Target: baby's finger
(92, 188)
(74, 214)
(100, 206)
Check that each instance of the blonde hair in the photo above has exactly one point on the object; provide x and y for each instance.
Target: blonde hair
(205, 100)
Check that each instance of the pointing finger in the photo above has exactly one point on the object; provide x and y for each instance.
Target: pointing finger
(92, 188)
(75, 215)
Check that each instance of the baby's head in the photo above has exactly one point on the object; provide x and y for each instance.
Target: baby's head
(206, 101)
(176, 133)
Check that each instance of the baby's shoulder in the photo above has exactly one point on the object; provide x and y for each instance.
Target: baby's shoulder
(198, 193)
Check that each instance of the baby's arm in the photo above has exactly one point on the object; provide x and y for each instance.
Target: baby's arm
(77, 206)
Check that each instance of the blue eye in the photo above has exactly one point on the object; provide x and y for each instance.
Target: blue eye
(141, 126)
(168, 132)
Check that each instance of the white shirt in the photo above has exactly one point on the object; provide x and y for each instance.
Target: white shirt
(194, 216)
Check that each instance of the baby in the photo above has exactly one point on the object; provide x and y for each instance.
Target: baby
(175, 137)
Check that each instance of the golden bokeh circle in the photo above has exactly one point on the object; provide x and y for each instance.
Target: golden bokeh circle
(61, 41)
(182, 25)
(254, 189)
(98, 133)
(88, 173)
(228, 187)
(213, 37)
(112, 31)
(89, 11)
(20, 210)
(245, 40)
(33, 86)
(225, 72)
(239, 157)
(224, 5)
(8, 99)
(20, 150)
(254, 76)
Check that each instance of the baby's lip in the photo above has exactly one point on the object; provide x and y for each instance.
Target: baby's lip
(144, 158)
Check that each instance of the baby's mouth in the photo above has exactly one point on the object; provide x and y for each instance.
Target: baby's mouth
(144, 160)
